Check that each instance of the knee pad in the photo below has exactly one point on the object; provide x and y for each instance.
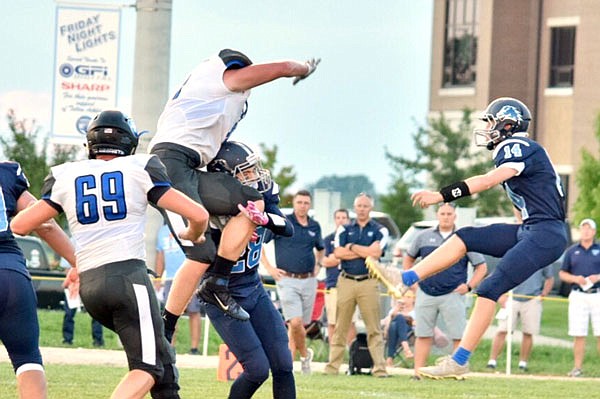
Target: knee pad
(29, 367)
(494, 286)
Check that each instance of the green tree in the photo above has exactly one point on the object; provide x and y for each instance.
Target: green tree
(443, 156)
(587, 179)
(21, 146)
(347, 186)
(398, 205)
(284, 176)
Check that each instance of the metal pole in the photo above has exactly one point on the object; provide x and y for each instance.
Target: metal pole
(151, 87)
(509, 331)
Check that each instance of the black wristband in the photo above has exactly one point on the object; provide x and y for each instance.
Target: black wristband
(469, 288)
(455, 191)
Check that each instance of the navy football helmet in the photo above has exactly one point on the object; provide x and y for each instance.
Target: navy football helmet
(238, 160)
(234, 59)
(504, 116)
(111, 133)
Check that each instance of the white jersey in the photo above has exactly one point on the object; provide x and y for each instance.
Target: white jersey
(203, 112)
(105, 203)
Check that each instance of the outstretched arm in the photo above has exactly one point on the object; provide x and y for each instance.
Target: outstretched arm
(470, 186)
(197, 216)
(257, 74)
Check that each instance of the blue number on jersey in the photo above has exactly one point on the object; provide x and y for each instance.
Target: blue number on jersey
(87, 202)
(251, 257)
(3, 216)
(513, 150)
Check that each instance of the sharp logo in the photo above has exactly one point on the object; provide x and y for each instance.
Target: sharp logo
(68, 70)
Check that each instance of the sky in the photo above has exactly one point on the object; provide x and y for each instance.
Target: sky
(369, 93)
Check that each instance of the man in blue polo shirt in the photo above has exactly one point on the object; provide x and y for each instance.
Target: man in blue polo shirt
(295, 270)
(354, 242)
(581, 267)
(441, 296)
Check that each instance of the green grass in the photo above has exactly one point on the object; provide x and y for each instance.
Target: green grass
(99, 381)
(67, 381)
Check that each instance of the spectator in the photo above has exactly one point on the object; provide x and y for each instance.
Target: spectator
(581, 267)
(169, 258)
(200, 116)
(527, 307)
(105, 199)
(19, 326)
(68, 327)
(295, 269)
(398, 325)
(332, 272)
(441, 297)
(354, 242)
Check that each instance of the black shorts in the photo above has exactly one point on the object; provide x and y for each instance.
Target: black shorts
(220, 193)
(121, 297)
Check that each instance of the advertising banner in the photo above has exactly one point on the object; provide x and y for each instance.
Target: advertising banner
(85, 69)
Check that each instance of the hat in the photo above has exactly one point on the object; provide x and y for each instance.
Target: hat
(589, 222)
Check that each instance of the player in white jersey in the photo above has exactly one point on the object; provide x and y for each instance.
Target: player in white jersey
(105, 200)
(195, 122)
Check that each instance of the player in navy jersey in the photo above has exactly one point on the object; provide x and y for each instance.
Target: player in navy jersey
(530, 181)
(105, 199)
(201, 116)
(262, 343)
(19, 328)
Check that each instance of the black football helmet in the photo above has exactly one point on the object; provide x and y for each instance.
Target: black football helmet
(504, 116)
(240, 161)
(111, 133)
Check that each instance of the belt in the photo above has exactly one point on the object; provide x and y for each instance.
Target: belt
(355, 277)
(298, 275)
(590, 291)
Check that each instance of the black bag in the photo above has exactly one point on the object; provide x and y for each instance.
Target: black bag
(360, 358)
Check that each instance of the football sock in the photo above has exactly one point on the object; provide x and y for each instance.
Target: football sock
(409, 277)
(222, 267)
(461, 356)
(170, 321)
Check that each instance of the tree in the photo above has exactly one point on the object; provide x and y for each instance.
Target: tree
(21, 146)
(347, 186)
(284, 177)
(444, 156)
(587, 179)
(398, 204)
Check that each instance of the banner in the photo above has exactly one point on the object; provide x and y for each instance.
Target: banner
(85, 69)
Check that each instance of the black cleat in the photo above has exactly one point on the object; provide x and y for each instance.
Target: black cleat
(214, 290)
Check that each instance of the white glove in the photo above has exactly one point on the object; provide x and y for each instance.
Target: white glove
(312, 66)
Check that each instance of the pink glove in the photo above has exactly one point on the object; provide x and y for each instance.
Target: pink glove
(253, 213)
(254, 237)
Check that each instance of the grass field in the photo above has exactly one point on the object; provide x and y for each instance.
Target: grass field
(98, 381)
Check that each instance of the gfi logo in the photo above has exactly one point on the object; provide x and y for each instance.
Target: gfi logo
(67, 70)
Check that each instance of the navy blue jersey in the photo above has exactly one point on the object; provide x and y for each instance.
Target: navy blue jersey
(295, 254)
(245, 271)
(582, 262)
(331, 273)
(13, 183)
(535, 190)
(353, 233)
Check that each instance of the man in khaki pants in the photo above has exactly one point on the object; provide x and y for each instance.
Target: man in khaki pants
(354, 242)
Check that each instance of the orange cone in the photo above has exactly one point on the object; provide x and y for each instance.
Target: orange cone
(229, 367)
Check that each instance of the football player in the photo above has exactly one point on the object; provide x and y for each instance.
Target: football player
(105, 200)
(261, 344)
(19, 327)
(532, 184)
(202, 115)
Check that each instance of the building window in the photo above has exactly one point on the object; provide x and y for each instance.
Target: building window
(460, 44)
(562, 53)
